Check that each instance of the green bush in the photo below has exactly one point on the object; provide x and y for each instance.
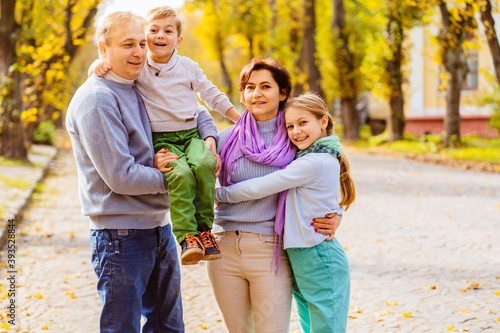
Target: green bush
(380, 139)
(45, 133)
(493, 100)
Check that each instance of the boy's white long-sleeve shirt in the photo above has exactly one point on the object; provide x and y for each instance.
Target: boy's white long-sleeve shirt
(314, 191)
(168, 91)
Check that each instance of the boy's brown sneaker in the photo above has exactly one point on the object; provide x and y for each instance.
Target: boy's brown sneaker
(192, 250)
(212, 250)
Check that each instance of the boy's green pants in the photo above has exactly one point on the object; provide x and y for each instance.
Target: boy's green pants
(191, 184)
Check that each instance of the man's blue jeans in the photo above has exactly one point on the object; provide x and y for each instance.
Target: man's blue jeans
(138, 274)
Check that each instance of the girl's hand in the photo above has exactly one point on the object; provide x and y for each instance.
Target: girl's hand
(327, 225)
(163, 158)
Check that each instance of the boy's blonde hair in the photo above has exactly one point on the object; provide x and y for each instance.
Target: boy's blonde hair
(314, 104)
(166, 11)
(113, 20)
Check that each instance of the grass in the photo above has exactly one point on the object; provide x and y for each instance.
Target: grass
(15, 182)
(9, 162)
(472, 148)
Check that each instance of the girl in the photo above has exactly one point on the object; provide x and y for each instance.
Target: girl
(318, 181)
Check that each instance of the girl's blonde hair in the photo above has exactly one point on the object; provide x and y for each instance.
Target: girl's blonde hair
(166, 11)
(314, 104)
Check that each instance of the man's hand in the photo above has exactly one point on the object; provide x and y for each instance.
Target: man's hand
(212, 146)
(163, 158)
(327, 225)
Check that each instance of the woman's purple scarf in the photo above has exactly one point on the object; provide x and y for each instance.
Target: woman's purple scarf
(245, 140)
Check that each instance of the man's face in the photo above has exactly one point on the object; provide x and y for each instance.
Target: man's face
(126, 49)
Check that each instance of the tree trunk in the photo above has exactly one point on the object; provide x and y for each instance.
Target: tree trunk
(309, 49)
(350, 118)
(453, 92)
(225, 74)
(12, 136)
(295, 46)
(451, 37)
(250, 46)
(491, 36)
(396, 120)
(344, 63)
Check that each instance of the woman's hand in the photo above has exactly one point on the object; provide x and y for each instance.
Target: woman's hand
(212, 146)
(327, 225)
(163, 158)
(217, 202)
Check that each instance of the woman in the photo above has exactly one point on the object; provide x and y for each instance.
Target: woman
(254, 291)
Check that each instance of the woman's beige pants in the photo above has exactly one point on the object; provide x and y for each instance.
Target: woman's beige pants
(251, 297)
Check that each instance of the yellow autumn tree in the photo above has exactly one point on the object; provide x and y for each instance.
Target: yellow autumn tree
(45, 37)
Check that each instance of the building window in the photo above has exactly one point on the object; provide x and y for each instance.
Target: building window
(471, 80)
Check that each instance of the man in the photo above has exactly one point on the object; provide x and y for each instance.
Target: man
(122, 190)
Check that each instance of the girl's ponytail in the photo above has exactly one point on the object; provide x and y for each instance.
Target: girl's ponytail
(347, 188)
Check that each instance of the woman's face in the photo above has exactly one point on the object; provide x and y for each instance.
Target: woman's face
(262, 95)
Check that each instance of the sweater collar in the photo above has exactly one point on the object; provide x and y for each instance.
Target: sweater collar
(113, 77)
(171, 63)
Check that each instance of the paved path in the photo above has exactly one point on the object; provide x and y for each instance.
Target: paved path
(413, 226)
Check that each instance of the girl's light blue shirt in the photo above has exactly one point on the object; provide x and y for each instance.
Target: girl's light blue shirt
(314, 190)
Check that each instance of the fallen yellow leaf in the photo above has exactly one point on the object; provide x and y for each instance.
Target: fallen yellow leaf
(475, 284)
(497, 293)
(3, 325)
(45, 327)
(203, 326)
(464, 330)
(218, 320)
(451, 328)
(38, 295)
(432, 287)
(352, 317)
(464, 289)
(407, 314)
(381, 319)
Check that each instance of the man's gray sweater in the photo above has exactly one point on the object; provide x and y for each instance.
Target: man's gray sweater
(110, 131)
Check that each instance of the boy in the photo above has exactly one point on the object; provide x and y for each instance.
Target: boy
(167, 85)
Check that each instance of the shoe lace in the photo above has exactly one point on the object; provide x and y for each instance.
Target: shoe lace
(208, 240)
(192, 241)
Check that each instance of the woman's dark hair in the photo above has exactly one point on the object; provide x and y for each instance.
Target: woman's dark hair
(279, 73)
